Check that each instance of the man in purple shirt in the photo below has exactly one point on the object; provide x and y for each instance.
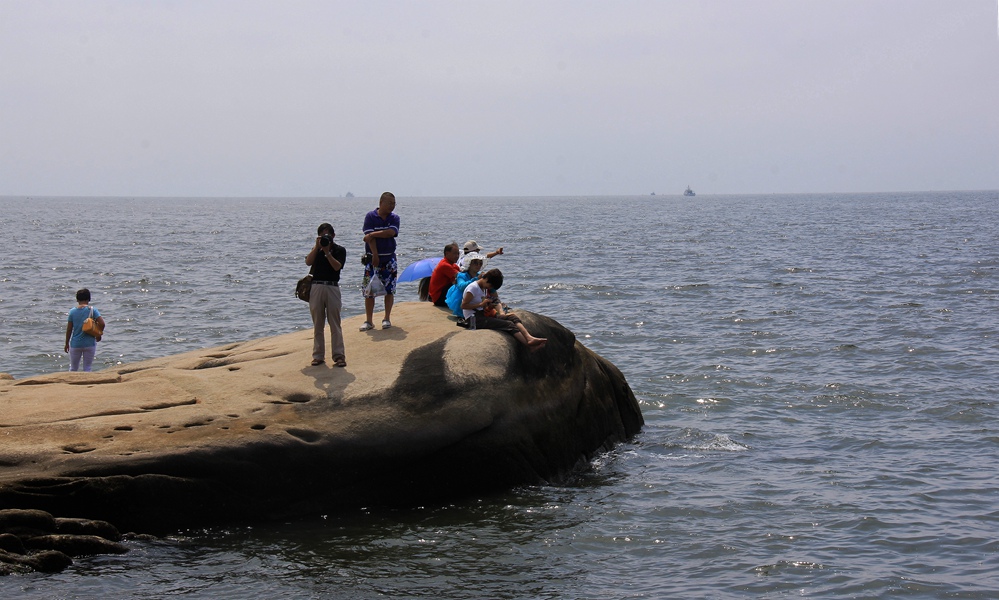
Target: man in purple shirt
(381, 226)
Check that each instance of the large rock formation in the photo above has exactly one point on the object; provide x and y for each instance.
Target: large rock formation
(424, 411)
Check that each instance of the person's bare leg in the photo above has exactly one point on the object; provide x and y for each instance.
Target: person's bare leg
(389, 301)
(530, 340)
(533, 344)
(369, 308)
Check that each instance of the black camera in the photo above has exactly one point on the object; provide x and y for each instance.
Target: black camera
(325, 240)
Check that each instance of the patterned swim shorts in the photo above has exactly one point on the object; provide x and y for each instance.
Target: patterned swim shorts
(388, 272)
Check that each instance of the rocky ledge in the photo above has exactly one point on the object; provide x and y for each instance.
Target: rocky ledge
(424, 411)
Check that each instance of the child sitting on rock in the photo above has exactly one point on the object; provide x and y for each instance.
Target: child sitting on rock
(457, 291)
(476, 300)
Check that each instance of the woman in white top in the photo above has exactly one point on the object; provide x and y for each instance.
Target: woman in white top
(476, 301)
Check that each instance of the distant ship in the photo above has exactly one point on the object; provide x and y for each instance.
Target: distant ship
(349, 195)
(689, 192)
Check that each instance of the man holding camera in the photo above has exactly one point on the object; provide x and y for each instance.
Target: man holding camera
(326, 259)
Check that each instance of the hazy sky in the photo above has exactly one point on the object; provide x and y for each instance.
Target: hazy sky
(457, 98)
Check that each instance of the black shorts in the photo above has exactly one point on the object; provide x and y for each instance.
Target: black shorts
(507, 323)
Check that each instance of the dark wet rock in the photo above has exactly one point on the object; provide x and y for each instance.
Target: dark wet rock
(28, 541)
(26, 522)
(47, 561)
(87, 527)
(16, 562)
(75, 545)
(11, 543)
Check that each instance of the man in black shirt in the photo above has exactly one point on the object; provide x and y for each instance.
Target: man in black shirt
(326, 259)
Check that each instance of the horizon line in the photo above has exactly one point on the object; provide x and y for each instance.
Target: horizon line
(563, 196)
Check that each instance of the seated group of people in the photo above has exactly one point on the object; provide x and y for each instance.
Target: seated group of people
(459, 284)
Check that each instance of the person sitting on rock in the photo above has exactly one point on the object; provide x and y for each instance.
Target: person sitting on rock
(466, 276)
(476, 300)
(472, 247)
(444, 275)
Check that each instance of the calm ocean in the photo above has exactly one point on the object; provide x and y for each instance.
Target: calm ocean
(818, 375)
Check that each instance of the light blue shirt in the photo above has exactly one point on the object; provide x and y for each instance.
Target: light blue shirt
(77, 316)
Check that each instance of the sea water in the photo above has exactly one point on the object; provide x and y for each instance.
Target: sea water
(818, 375)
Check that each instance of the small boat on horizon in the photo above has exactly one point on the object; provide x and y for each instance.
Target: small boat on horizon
(689, 192)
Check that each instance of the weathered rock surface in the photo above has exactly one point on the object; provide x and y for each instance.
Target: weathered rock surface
(424, 411)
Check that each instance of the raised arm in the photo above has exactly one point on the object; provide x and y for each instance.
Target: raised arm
(310, 258)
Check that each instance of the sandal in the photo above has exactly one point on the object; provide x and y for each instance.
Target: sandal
(316, 362)
(340, 362)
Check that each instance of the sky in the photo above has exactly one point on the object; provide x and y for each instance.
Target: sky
(503, 98)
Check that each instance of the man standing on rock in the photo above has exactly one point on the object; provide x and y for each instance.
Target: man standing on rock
(381, 227)
(326, 259)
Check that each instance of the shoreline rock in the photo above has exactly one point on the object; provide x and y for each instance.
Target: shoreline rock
(423, 412)
(34, 540)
